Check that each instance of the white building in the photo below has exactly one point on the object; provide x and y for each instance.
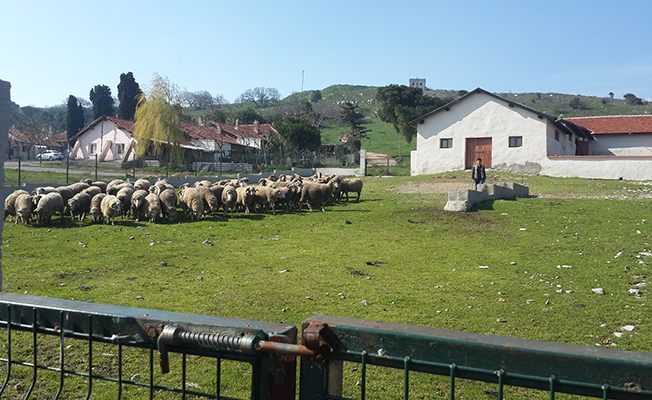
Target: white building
(621, 135)
(419, 83)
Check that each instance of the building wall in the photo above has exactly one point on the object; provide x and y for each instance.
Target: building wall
(5, 104)
(419, 83)
(622, 145)
(99, 135)
(599, 167)
(481, 116)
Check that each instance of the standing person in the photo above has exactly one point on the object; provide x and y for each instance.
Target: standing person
(478, 174)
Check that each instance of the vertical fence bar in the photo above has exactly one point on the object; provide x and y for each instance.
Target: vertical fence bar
(19, 158)
(406, 394)
(363, 366)
(552, 387)
(219, 377)
(605, 392)
(151, 373)
(35, 355)
(452, 394)
(90, 357)
(95, 166)
(500, 383)
(134, 167)
(183, 376)
(119, 371)
(67, 167)
(61, 343)
(4, 385)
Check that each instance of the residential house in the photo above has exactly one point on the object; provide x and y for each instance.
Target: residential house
(27, 146)
(107, 138)
(506, 135)
(622, 135)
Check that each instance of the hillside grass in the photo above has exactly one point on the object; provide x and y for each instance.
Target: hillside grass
(428, 272)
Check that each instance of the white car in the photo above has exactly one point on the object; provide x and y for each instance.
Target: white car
(50, 155)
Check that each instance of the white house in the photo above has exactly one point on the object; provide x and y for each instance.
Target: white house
(506, 135)
(621, 135)
(107, 137)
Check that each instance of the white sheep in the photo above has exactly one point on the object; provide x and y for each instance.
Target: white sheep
(111, 208)
(96, 207)
(351, 185)
(153, 207)
(48, 205)
(24, 208)
(10, 201)
(139, 204)
(229, 199)
(192, 203)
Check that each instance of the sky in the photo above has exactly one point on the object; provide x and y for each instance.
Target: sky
(52, 49)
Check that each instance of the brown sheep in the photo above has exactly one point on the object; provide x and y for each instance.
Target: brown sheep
(124, 194)
(193, 203)
(229, 199)
(142, 184)
(168, 200)
(316, 192)
(92, 191)
(269, 196)
(101, 185)
(210, 201)
(48, 205)
(245, 198)
(139, 205)
(80, 205)
(351, 185)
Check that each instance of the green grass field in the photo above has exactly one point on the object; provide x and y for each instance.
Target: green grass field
(429, 273)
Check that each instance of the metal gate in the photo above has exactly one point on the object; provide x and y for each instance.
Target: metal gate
(67, 349)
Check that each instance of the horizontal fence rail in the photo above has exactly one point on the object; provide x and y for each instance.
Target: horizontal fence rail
(270, 349)
(555, 368)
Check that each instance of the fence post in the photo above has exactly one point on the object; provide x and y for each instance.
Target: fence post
(196, 165)
(19, 158)
(134, 166)
(387, 165)
(167, 165)
(242, 162)
(67, 167)
(96, 167)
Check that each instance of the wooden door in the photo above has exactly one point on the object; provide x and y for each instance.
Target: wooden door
(581, 148)
(478, 148)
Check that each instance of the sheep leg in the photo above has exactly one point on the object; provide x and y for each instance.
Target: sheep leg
(358, 199)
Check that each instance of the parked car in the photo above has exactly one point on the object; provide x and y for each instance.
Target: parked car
(50, 155)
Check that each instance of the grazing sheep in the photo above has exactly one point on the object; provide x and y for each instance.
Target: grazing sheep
(245, 197)
(113, 183)
(111, 208)
(313, 192)
(193, 203)
(24, 208)
(203, 183)
(139, 205)
(43, 190)
(217, 192)
(291, 197)
(168, 199)
(163, 184)
(229, 199)
(92, 191)
(262, 182)
(153, 207)
(77, 187)
(351, 185)
(273, 178)
(269, 196)
(101, 185)
(67, 193)
(80, 205)
(210, 201)
(142, 184)
(96, 207)
(48, 205)
(124, 194)
(116, 188)
(10, 201)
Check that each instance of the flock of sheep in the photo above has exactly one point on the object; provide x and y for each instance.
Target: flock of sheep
(142, 200)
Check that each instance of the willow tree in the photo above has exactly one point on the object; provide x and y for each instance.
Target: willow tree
(157, 120)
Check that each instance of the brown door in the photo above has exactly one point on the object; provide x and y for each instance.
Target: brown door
(478, 148)
(581, 148)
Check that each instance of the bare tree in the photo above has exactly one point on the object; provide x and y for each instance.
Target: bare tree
(260, 96)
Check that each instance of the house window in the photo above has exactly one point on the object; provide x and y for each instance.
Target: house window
(91, 148)
(556, 135)
(121, 148)
(515, 141)
(446, 143)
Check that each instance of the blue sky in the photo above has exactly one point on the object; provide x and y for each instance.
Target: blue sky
(49, 50)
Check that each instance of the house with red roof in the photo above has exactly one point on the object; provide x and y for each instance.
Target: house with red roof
(619, 135)
(27, 145)
(111, 139)
(513, 137)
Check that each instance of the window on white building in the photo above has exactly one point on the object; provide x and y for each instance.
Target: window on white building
(556, 135)
(91, 148)
(446, 143)
(120, 148)
(515, 141)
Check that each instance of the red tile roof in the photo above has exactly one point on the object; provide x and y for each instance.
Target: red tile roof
(250, 131)
(206, 132)
(616, 124)
(123, 124)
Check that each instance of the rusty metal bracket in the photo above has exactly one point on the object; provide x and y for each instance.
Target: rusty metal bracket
(245, 343)
(314, 337)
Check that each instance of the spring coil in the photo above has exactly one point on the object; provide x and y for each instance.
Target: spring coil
(175, 336)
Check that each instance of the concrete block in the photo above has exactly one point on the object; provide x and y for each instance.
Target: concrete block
(464, 199)
(518, 189)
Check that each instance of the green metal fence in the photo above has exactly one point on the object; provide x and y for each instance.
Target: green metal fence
(555, 368)
(54, 346)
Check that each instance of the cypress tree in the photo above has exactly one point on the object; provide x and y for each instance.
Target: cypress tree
(102, 101)
(74, 118)
(128, 94)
